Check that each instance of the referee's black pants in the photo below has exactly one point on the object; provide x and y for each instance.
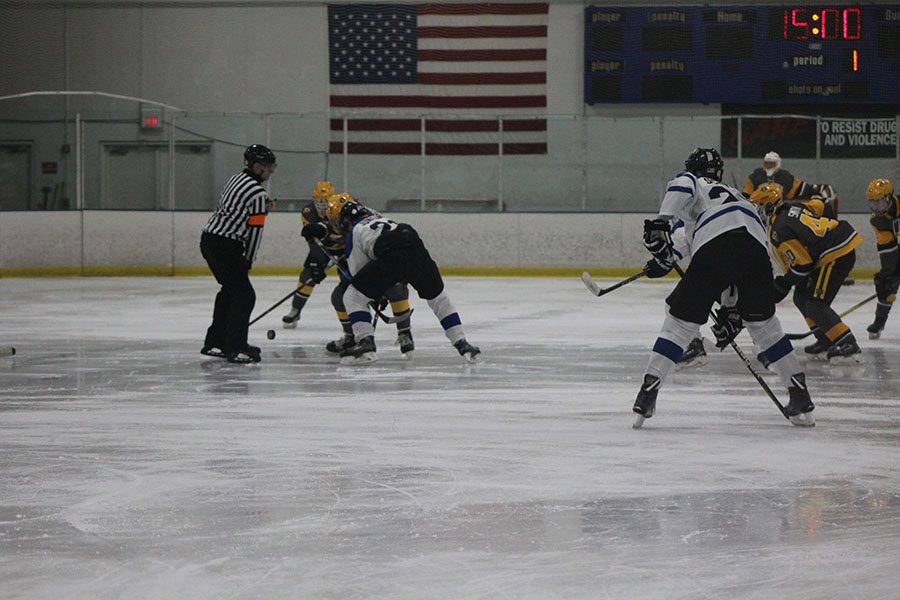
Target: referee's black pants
(236, 299)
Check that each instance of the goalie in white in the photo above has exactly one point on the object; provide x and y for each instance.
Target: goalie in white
(382, 253)
(728, 248)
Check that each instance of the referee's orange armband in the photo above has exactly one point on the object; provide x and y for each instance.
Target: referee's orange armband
(256, 220)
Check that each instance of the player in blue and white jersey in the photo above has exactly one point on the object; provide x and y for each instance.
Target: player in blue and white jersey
(727, 242)
(380, 254)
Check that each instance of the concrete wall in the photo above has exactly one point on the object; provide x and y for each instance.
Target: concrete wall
(165, 243)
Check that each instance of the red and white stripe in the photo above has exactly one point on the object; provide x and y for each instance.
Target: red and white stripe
(476, 62)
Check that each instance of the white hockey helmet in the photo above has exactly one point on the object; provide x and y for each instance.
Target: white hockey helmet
(771, 163)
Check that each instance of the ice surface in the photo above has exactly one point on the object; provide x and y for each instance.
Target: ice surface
(133, 467)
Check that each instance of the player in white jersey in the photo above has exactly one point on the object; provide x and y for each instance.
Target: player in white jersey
(380, 254)
(728, 248)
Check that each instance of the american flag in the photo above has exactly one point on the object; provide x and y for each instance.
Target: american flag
(410, 61)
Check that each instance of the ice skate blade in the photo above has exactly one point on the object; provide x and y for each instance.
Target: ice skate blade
(692, 364)
(289, 324)
(846, 361)
(638, 421)
(407, 355)
(355, 361)
(803, 420)
(874, 335)
(472, 359)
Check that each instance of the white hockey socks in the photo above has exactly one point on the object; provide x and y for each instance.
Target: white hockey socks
(445, 312)
(770, 339)
(669, 346)
(357, 306)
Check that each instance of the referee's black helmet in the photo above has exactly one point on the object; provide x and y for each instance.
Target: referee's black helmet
(257, 153)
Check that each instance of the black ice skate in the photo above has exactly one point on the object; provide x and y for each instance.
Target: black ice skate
(467, 351)
(361, 353)
(338, 346)
(213, 351)
(877, 326)
(800, 408)
(694, 355)
(819, 348)
(645, 404)
(845, 350)
(248, 354)
(405, 341)
(289, 321)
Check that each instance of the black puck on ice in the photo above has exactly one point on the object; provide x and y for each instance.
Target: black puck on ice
(270, 334)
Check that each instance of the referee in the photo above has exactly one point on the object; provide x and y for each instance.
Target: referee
(229, 243)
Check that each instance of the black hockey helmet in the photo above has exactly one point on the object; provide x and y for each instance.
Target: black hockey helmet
(705, 162)
(257, 153)
(352, 213)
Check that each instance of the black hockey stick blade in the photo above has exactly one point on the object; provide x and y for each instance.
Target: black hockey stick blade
(800, 336)
(7, 351)
(596, 290)
(392, 320)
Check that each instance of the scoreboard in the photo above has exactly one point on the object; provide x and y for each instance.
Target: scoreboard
(743, 54)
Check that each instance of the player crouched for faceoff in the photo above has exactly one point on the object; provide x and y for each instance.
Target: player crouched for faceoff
(728, 248)
(382, 253)
(326, 242)
(816, 253)
(885, 221)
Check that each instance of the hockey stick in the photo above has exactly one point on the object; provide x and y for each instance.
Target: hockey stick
(747, 363)
(800, 336)
(378, 313)
(598, 291)
(7, 351)
(271, 308)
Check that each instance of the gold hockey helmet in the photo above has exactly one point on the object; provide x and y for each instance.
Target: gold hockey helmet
(323, 190)
(768, 197)
(879, 194)
(335, 203)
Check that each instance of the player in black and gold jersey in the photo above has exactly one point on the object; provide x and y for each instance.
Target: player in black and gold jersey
(317, 229)
(885, 221)
(817, 253)
(793, 187)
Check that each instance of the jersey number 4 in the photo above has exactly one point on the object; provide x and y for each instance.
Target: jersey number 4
(818, 225)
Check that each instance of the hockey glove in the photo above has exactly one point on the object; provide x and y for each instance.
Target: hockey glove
(824, 190)
(658, 239)
(315, 272)
(380, 304)
(727, 325)
(313, 231)
(657, 267)
(782, 287)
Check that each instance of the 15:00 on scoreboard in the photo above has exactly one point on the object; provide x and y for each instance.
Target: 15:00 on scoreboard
(743, 54)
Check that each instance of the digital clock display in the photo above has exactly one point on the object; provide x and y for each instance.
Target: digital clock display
(802, 24)
(743, 54)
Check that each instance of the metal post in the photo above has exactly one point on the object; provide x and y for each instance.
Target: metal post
(584, 176)
(422, 164)
(172, 181)
(346, 148)
(79, 201)
(500, 166)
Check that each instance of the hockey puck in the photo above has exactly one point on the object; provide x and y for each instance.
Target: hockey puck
(270, 334)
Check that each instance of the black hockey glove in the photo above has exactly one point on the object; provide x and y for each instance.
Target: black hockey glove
(657, 267)
(315, 272)
(658, 239)
(380, 304)
(782, 287)
(728, 324)
(885, 286)
(824, 190)
(313, 231)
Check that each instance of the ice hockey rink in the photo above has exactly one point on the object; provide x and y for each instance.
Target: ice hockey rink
(133, 467)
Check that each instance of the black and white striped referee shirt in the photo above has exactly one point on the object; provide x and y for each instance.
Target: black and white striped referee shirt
(241, 212)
